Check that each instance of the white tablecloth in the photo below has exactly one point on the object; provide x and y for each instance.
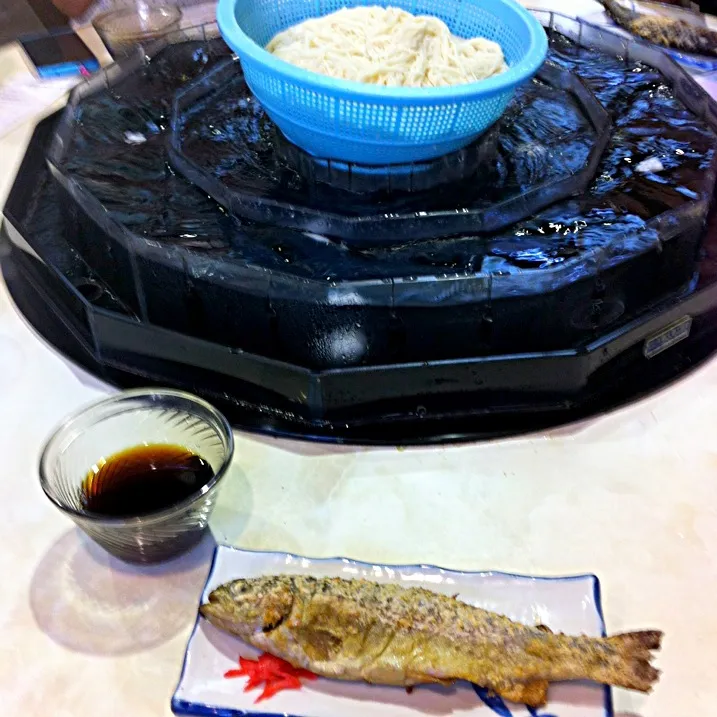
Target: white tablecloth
(630, 496)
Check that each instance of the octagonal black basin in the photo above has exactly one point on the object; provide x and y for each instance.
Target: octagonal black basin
(448, 321)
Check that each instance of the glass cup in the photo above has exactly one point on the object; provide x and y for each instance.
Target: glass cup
(139, 23)
(132, 418)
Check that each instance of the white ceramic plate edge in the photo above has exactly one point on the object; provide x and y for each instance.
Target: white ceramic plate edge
(183, 707)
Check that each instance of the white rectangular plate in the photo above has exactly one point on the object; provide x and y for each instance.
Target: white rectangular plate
(570, 605)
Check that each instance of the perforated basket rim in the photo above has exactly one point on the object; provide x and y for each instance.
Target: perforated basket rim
(522, 70)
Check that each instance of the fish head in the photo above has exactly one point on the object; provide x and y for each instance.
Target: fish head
(248, 606)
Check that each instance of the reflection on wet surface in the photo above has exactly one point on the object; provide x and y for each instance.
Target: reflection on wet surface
(119, 153)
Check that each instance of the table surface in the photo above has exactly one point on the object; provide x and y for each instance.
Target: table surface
(630, 496)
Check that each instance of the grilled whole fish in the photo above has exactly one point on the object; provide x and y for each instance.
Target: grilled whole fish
(665, 31)
(390, 635)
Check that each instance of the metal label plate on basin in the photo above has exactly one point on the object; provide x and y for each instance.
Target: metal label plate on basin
(673, 334)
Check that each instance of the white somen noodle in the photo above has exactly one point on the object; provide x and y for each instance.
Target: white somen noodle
(387, 46)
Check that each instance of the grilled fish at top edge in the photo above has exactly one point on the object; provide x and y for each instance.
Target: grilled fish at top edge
(387, 634)
(665, 31)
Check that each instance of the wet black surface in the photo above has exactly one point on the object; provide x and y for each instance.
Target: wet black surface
(137, 186)
(544, 149)
(544, 135)
(427, 348)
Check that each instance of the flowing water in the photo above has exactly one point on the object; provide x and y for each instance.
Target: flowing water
(119, 153)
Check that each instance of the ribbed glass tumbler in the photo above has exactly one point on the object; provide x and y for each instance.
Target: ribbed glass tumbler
(135, 418)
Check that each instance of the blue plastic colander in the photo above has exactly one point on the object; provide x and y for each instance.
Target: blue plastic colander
(371, 124)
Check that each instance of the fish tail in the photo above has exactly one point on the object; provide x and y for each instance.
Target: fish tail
(630, 664)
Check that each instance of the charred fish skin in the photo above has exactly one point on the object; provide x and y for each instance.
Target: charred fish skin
(665, 31)
(388, 634)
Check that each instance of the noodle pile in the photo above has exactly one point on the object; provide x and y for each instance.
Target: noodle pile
(387, 46)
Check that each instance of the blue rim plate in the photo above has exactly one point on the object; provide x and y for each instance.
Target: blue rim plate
(571, 604)
(703, 63)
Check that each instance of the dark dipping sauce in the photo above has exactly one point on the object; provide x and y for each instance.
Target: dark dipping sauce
(144, 479)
